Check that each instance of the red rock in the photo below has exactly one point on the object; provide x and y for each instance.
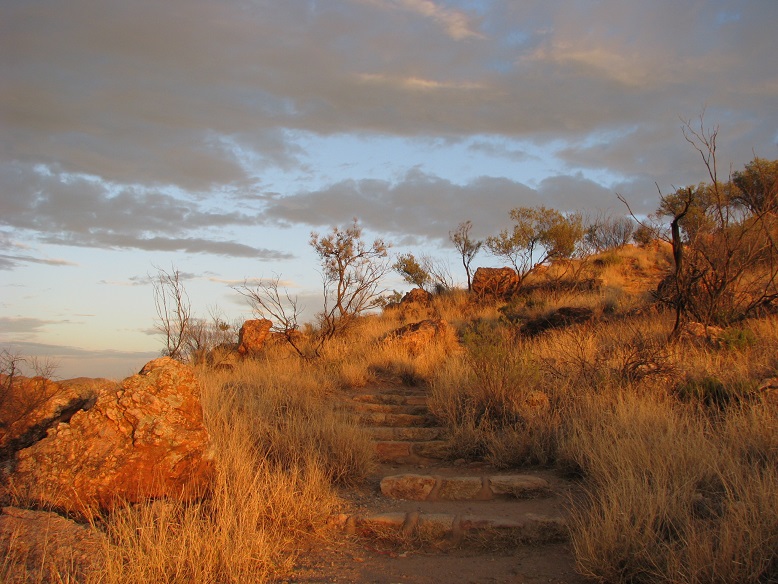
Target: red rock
(417, 336)
(30, 406)
(495, 282)
(252, 337)
(47, 545)
(144, 439)
(417, 296)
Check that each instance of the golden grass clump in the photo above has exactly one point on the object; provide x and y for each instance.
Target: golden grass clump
(280, 447)
(675, 454)
(671, 496)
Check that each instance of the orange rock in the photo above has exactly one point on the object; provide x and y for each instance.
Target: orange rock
(252, 337)
(417, 296)
(30, 406)
(495, 282)
(48, 545)
(417, 336)
(144, 439)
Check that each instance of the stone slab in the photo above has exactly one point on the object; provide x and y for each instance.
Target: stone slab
(409, 487)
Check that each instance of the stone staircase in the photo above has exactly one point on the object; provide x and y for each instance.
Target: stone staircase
(420, 498)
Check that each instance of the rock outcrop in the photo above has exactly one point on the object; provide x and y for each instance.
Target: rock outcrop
(495, 282)
(47, 545)
(31, 405)
(419, 335)
(142, 439)
(560, 318)
(252, 336)
(417, 296)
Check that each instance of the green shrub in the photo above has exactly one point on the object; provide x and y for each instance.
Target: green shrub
(736, 338)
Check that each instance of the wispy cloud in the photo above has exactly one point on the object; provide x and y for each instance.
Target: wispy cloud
(457, 24)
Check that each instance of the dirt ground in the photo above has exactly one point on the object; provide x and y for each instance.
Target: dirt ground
(356, 562)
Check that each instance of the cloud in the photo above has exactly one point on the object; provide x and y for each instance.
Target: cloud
(144, 124)
(429, 206)
(456, 23)
(8, 262)
(84, 211)
(23, 325)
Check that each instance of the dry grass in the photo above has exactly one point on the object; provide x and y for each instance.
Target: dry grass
(280, 446)
(678, 461)
(678, 458)
(672, 496)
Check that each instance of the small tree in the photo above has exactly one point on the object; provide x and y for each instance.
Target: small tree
(268, 301)
(756, 186)
(352, 272)
(608, 232)
(538, 235)
(412, 270)
(174, 310)
(724, 240)
(468, 248)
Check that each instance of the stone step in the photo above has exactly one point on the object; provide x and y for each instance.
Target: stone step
(404, 452)
(414, 433)
(391, 398)
(417, 487)
(448, 530)
(367, 408)
(395, 420)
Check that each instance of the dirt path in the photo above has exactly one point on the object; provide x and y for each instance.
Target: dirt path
(423, 519)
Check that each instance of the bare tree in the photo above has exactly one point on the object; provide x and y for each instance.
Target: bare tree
(468, 248)
(724, 247)
(267, 300)
(205, 334)
(608, 232)
(174, 310)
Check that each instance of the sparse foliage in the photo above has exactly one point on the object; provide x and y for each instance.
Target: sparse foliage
(352, 271)
(468, 248)
(412, 270)
(15, 404)
(267, 300)
(174, 310)
(538, 236)
(608, 232)
(723, 240)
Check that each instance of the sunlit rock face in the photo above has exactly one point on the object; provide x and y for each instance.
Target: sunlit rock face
(495, 282)
(144, 438)
(253, 335)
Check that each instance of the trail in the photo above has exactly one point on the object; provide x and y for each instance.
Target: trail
(423, 519)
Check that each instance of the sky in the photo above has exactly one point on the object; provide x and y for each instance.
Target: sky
(213, 136)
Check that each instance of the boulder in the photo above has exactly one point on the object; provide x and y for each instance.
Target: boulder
(560, 318)
(417, 296)
(142, 439)
(419, 335)
(495, 282)
(47, 545)
(252, 337)
(31, 405)
(696, 331)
